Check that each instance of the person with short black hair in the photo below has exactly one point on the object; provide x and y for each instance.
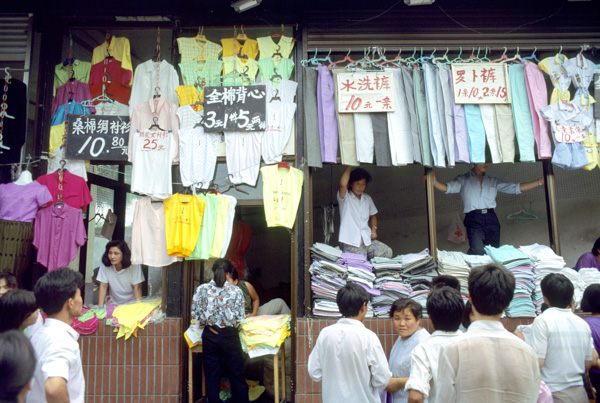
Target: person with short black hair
(468, 315)
(446, 280)
(18, 310)
(562, 341)
(122, 279)
(58, 375)
(406, 317)
(358, 216)
(8, 281)
(488, 363)
(590, 259)
(445, 308)
(17, 364)
(348, 358)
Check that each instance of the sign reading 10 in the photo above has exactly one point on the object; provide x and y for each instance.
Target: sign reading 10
(97, 145)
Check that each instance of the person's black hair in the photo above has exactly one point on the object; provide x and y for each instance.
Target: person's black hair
(358, 174)
(446, 280)
(544, 306)
(466, 321)
(558, 290)
(491, 288)
(407, 303)
(11, 280)
(350, 299)
(229, 269)
(220, 267)
(123, 247)
(17, 364)
(15, 307)
(591, 299)
(596, 247)
(55, 288)
(445, 308)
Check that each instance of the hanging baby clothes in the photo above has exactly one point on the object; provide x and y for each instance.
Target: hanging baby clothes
(192, 49)
(18, 207)
(183, 218)
(311, 120)
(437, 124)
(72, 90)
(207, 228)
(407, 79)
(242, 150)
(75, 192)
(228, 224)
(201, 74)
(554, 67)
(148, 234)
(268, 47)
(346, 131)
(80, 70)
(219, 235)
(280, 111)
(271, 66)
(521, 112)
(152, 154)
(421, 114)
(145, 83)
(400, 136)
(118, 48)
(235, 64)
(14, 130)
(446, 109)
(538, 100)
(109, 78)
(198, 149)
(282, 190)
(58, 234)
(328, 129)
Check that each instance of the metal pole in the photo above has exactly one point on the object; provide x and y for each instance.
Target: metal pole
(431, 214)
(550, 187)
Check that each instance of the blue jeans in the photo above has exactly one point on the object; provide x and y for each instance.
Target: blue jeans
(482, 229)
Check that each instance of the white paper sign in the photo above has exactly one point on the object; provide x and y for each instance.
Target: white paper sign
(371, 91)
(568, 134)
(480, 83)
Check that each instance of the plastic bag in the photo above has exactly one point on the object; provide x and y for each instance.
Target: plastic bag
(457, 232)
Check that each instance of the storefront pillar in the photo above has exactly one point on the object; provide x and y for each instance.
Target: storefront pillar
(431, 214)
(551, 208)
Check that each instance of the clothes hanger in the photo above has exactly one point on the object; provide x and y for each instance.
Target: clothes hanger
(199, 124)
(283, 164)
(516, 57)
(234, 186)
(442, 59)
(458, 58)
(326, 59)
(526, 215)
(277, 52)
(276, 96)
(485, 58)
(381, 59)
(69, 60)
(473, 58)
(155, 124)
(430, 57)
(200, 35)
(276, 76)
(364, 64)
(395, 61)
(241, 37)
(333, 65)
(532, 57)
(503, 57)
(277, 35)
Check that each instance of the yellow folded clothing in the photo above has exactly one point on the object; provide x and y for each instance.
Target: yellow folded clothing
(132, 316)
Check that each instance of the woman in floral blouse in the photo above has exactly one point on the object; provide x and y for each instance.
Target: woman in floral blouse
(219, 307)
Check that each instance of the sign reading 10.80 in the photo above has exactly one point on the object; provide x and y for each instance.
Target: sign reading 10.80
(97, 137)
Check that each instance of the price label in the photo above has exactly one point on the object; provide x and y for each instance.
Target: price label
(568, 134)
(97, 137)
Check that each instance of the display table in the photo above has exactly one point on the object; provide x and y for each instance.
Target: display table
(278, 357)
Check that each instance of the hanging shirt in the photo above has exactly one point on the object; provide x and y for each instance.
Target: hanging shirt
(120, 282)
(183, 219)
(148, 235)
(118, 48)
(232, 47)
(189, 95)
(248, 67)
(80, 70)
(112, 108)
(554, 67)
(110, 79)
(279, 117)
(152, 155)
(354, 218)
(57, 134)
(72, 90)
(76, 167)
(58, 234)
(228, 224)
(207, 229)
(145, 83)
(267, 46)
(201, 74)
(581, 71)
(476, 196)
(243, 156)
(143, 116)
(21, 202)
(72, 108)
(222, 213)
(400, 360)
(190, 49)
(282, 190)
(566, 114)
(218, 306)
(75, 192)
(268, 66)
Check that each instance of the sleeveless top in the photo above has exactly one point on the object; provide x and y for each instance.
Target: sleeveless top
(247, 299)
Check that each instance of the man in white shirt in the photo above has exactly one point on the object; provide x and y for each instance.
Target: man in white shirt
(348, 358)
(562, 341)
(58, 376)
(445, 308)
(488, 363)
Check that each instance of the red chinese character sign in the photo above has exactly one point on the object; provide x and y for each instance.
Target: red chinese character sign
(480, 83)
(568, 134)
(371, 91)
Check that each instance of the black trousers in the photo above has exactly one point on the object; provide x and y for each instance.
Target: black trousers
(220, 351)
(482, 229)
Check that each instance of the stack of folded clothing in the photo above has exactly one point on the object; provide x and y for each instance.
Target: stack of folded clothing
(453, 264)
(522, 268)
(420, 269)
(545, 261)
(390, 282)
(414, 264)
(360, 271)
(325, 252)
(326, 280)
(262, 335)
(578, 284)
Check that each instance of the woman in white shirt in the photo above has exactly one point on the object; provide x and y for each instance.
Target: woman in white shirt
(123, 279)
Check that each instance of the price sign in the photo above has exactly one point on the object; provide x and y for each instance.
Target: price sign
(480, 83)
(568, 134)
(235, 108)
(97, 137)
(371, 91)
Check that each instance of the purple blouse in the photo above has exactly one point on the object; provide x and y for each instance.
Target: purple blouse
(75, 90)
(587, 260)
(21, 202)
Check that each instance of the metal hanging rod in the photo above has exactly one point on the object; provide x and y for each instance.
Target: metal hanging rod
(465, 48)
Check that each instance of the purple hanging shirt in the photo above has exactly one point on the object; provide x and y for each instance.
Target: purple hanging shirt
(75, 90)
(21, 202)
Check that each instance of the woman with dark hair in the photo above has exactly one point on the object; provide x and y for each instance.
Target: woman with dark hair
(358, 216)
(591, 303)
(123, 279)
(406, 320)
(590, 259)
(8, 281)
(18, 310)
(219, 307)
(17, 364)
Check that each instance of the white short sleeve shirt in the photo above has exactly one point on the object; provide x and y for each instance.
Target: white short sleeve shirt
(120, 283)
(354, 216)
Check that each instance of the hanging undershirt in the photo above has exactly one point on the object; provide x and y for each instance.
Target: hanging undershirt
(228, 224)
(152, 154)
(191, 49)
(280, 119)
(231, 47)
(189, 95)
(267, 46)
(242, 150)
(118, 48)
(183, 218)
(222, 213)
(233, 63)
(201, 74)
(282, 190)
(267, 68)
(207, 229)
(554, 67)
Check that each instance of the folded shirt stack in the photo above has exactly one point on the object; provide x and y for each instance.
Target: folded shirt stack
(452, 263)
(545, 262)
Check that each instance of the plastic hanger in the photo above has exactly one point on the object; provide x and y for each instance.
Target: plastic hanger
(200, 35)
(241, 37)
(364, 64)
(473, 58)
(526, 215)
(442, 59)
(277, 35)
(200, 122)
(333, 65)
(326, 59)
(283, 164)
(532, 57)
(396, 61)
(155, 124)
(276, 75)
(517, 56)
(458, 59)
(68, 61)
(485, 58)
(503, 57)
(430, 57)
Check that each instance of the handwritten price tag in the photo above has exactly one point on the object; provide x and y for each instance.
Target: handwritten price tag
(568, 134)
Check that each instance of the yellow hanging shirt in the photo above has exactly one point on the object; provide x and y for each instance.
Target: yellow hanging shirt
(183, 218)
(282, 189)
(118, 48)
(222, 210)
(232, 47)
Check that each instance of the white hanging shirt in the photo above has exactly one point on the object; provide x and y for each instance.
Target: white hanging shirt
(152, 154)
(76, 167)
(242, 150)
(145, 83)
(229, 224)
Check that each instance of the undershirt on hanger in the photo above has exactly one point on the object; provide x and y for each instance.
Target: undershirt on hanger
(188, 95)
(267, 68)
(201, 74)
(280, 118)
(183, 219)
(282, 190)
(207, 229)
(243, 156)
(190, 49)
(267, 46)
(232, 47)
(233, 63)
